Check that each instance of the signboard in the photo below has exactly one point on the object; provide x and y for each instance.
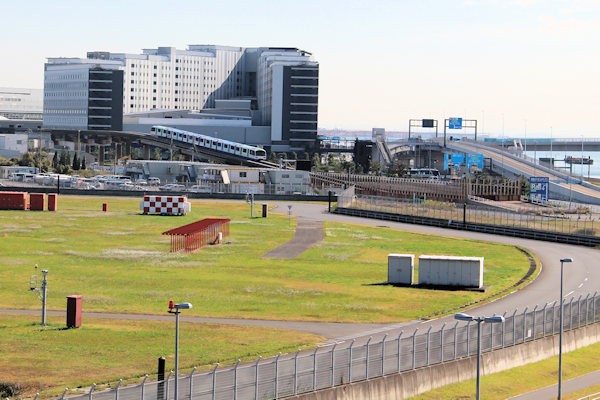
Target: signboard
(475, 162)
(457, 160)
(455, 123)
(427, 123)
(538, 188)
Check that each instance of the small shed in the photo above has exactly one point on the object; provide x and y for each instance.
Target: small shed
(196, 235)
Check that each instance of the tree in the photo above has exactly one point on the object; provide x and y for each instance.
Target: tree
(55, 161)
(75, 164)
(27, 160)
(156, 155)
(83, 166)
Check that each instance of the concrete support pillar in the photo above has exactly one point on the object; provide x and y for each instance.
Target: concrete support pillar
(146, 152)
(101, 155)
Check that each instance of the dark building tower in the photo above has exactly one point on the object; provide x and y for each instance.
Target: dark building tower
(300, 106)
(105, 104)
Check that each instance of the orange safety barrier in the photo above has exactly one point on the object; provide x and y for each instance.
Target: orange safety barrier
(196, 235)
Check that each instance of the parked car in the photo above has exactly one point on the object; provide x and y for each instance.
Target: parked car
(172, 187)
(200, 189)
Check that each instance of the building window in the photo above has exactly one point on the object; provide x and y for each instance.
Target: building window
(243, 174)
(132, 81)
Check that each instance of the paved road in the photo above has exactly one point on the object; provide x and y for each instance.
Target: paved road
(580, 279)
(569, 386)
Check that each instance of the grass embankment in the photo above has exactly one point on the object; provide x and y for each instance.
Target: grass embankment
(524, 379)
(119, 262)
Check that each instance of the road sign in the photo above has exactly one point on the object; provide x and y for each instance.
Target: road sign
(538, 188)
(455, 123)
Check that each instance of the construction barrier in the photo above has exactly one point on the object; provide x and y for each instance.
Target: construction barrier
(37, 201)
(165, 205)
(193, 236)
(13, 200)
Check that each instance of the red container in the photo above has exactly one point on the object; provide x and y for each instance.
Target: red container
(52, 202)
(74, 311)
(13, 200)
(105, 207)
(37, 201)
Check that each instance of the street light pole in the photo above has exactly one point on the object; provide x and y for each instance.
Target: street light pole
(175, 309)
(560, 332)
(479, 320)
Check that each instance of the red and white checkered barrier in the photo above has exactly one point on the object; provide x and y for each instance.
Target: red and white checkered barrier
(165, 205)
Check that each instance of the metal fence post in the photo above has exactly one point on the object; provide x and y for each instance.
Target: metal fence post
(534, 317)
(524, 322)
(255, 378)
(191, 382)
(468, 337)
(587, 308)
(235, 371)
(442, 343)
(117, 389)
(64, 393)
(383, 355)
(214, 382)
(315, 369)
(167, 385)
(91, 391)
(594, 307)
(144, 386)
(455, 339)
(367, 359)
(350, 363)
(295, 373)
(277, 374)
(544, 325)
(514, 328)
(399, 348)
(571, 313)
(333, 364)
(414, 347)
(427, 346)
(553, 316)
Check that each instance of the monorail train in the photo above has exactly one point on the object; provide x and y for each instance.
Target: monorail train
(208, 142)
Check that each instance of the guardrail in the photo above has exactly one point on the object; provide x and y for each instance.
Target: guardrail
(341, 363)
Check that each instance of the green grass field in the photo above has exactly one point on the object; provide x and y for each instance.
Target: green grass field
(120, 263)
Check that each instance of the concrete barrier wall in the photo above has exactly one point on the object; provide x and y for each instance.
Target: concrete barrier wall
(412, 383)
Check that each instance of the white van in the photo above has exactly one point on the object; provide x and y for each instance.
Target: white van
(424, 173)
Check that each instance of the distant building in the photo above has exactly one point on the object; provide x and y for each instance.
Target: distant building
(13, 145)
(264, 87)
(83, 94)
(19, 103)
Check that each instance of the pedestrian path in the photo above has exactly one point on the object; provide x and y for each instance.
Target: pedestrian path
(308, 233)
(569, 386)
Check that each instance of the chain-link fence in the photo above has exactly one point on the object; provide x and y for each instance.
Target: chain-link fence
(325, 367)
(575, 221)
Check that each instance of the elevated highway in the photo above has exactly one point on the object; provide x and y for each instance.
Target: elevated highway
(562, 186)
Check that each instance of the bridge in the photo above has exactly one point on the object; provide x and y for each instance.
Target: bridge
(563, 186)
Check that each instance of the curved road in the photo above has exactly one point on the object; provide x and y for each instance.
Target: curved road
(581, 277)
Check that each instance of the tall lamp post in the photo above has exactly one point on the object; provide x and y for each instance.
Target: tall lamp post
(560, 332)
(175, 309)
(479, 320)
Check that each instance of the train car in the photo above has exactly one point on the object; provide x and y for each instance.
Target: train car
(199, 140)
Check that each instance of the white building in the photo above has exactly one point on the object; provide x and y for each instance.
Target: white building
(19, 103)
(13, 145)
(196, 80)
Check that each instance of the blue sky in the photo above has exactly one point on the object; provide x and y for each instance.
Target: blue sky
(513, 65)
